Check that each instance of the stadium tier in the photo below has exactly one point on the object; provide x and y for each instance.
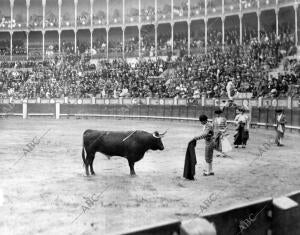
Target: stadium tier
(35, 29)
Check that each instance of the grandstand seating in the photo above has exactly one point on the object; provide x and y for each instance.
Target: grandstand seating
(231, 23)
(234, 48)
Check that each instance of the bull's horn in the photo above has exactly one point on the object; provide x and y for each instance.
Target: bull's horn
(163, 134)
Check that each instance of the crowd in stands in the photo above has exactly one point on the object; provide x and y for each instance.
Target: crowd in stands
(83, 19)
(180, 41)
(19, 47)
(71, 75)
(148, 44)
(115, 46)
(186, 77)
(4, 47)
(51, 20)
(132, 46)
(36, 21)
(5, 22)
(99, 46)
(17, 64)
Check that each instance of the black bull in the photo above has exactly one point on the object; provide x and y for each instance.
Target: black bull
(131, 145)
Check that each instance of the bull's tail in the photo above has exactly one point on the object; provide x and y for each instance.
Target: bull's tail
(83, 154)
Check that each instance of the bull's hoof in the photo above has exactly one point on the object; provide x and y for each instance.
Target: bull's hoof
(132, 174)
(93, 173)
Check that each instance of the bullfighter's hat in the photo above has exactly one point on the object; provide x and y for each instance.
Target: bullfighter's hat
(279, 110)
(218, 111)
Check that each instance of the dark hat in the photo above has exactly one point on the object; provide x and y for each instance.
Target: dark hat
(279, 110)
(203, 118)
(218, 111)
(241, 109)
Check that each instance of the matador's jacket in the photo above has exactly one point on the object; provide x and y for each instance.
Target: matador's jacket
(208, 134)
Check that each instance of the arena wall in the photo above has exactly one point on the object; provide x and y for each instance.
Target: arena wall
(276, 216)
(260, 116)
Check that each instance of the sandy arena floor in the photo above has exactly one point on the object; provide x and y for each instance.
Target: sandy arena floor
(44, 192)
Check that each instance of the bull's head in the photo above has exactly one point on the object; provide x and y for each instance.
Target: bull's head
(157, 139)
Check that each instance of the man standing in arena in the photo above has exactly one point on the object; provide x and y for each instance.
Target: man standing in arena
(280, 126)
(207, 134)
(220, 127)
(242, 132)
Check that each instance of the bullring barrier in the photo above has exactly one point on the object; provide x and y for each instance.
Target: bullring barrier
(268, 216)
(260, 116)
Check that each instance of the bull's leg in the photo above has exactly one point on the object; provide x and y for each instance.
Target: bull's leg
(87, 163)
(131, 165)
(91, 164)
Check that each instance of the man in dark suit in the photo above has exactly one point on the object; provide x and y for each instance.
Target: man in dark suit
(207, 134)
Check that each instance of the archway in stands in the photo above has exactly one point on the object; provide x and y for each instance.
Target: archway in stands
(131, 11)
(197, 8)
(51, 43)
(163, 39)
(5, 14)
(286, 24)
(99, 13)
(232, 30)
(115, 38)
(148, 11)
(67, 41)
(249, 27)
(99, 43)
(36, 14)
(67, 14)
(180, 38)
(131, 41)
(232, 6)
(115, 12)
(51, 14)
(180, 9)
(4, 44)
(197, 36)
(35, 47)
(148, 40)
(214, 32)
(283, 2)
(164, 10)
(214, 7)
(20, 14)
(268, 23)
(83, 13)
(83, 41)
(248, 6)
(19, 41)
(267, 3)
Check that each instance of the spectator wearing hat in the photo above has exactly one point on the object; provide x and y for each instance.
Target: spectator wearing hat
(280, 126)
(207, 134)
(242, 134)
(220, 127)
